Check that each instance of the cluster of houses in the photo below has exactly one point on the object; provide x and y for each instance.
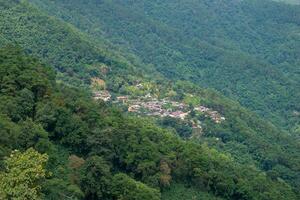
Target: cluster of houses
(103, 95)
(214, 115)
(166, 108)
(154, 107)
(151, 106)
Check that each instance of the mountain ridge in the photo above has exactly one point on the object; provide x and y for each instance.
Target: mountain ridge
(265, 150)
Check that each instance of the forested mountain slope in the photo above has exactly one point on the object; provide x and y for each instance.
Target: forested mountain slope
(248, 50)
(76, 57)
(63, 122)
(96, 152)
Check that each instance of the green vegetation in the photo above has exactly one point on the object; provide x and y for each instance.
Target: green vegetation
(95, 152)
(245, 136)
(179, 191)
(126, 188)
(23, 176)
(76, 57)
(170, 50)
(248, 50)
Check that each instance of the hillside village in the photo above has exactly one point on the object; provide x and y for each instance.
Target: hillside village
(152, 106)
(143, 102)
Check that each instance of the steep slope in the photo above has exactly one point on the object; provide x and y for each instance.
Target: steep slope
(79, 55)
(247, 137)
(241, 48)
(76, 57)
(98, 153)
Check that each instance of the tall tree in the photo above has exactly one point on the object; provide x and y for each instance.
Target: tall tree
(126, 188)
(24, 174)
(96, 178)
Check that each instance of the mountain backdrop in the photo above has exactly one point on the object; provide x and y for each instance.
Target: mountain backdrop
(200, 99)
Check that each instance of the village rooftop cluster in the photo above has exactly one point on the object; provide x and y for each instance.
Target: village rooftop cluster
(151, 106)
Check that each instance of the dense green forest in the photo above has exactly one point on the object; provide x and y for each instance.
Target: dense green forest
(76, 57)
(248, 50)
(95, 152)
(239, 58)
